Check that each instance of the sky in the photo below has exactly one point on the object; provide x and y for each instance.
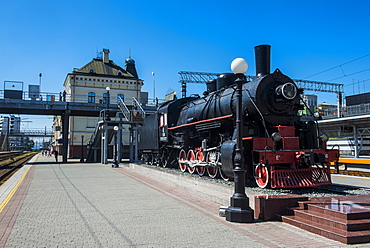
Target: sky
(307, 39)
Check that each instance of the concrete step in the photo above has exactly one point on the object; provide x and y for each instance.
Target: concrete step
(347, 237)
(329, 220)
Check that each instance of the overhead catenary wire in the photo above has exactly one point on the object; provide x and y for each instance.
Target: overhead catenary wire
(338, 66)
(359, 81)
(349, 74)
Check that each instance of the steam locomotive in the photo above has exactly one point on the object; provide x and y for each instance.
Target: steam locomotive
(280, 148)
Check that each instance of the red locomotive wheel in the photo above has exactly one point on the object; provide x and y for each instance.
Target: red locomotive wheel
(212, 158)
(262, 176)
(200, 169)
(223, 175)
(191, 159)
(212, 171)
(182, 161)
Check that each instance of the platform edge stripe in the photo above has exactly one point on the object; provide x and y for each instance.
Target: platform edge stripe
(12, 192)
(354, 161)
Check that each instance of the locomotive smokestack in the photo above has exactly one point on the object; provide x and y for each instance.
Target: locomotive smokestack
(262, 54)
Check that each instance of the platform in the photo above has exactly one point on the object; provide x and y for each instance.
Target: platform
(94, 205)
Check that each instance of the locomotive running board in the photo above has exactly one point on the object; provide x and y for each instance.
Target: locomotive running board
(202, 121)
(300, 178)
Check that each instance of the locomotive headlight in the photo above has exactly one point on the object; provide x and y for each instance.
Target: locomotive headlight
(276, 136)
(324, 137)
(287, 90)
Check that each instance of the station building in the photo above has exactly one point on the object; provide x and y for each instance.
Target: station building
(88, 84)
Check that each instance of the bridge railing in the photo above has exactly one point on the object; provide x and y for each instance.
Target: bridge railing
(33, 132)
(363, 108)
(64, 97)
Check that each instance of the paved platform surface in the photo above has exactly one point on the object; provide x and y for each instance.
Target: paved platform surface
(94, 205)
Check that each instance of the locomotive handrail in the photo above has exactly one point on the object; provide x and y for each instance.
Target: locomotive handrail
(258, 110)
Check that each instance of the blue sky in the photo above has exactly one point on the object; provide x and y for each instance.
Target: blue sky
(165, 37)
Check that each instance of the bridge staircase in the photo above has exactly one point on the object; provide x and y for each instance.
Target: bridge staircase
(128, 115)
(4, 142)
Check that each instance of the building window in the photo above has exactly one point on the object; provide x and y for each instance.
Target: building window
(91, 97)
(92, 70)
(120, 98)
(105, 98)
(119, 73)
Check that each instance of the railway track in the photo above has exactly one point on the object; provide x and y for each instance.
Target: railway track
(320, 191)
(343, 189)
(6, 155)
(11, 162)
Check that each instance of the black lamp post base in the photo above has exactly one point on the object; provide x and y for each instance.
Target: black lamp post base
(240, 215)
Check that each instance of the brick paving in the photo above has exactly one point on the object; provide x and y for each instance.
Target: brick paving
(94, 205)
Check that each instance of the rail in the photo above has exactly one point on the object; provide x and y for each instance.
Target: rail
(12, 162)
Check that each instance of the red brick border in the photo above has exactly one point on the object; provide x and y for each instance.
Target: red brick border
(10, 213)
(210, 209)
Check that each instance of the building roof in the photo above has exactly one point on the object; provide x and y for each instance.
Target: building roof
(99, 68)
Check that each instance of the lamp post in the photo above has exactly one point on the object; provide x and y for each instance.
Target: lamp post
(239, 210)
(108, 102)
(40, 75)
(153, 86)
(115, 160)
(82, 149)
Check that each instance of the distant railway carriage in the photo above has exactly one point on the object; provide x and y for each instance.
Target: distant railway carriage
(280, 149)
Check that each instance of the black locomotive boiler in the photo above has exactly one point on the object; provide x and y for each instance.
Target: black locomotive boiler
(280, 148)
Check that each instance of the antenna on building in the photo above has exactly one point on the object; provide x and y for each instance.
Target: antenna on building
(129, 52)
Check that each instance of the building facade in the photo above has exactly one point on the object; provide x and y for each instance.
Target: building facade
(10, 126)
(98, 81)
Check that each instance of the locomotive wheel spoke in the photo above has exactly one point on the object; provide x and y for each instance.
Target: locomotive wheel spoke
(151, 160)
(223, 175)
(191, 159)
(182, 161)
(212, 171)
(212, 159)
(147, 162)
(164, 162)
(262, 176)
(200, 169)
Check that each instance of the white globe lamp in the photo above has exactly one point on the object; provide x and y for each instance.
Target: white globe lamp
(239, 66)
